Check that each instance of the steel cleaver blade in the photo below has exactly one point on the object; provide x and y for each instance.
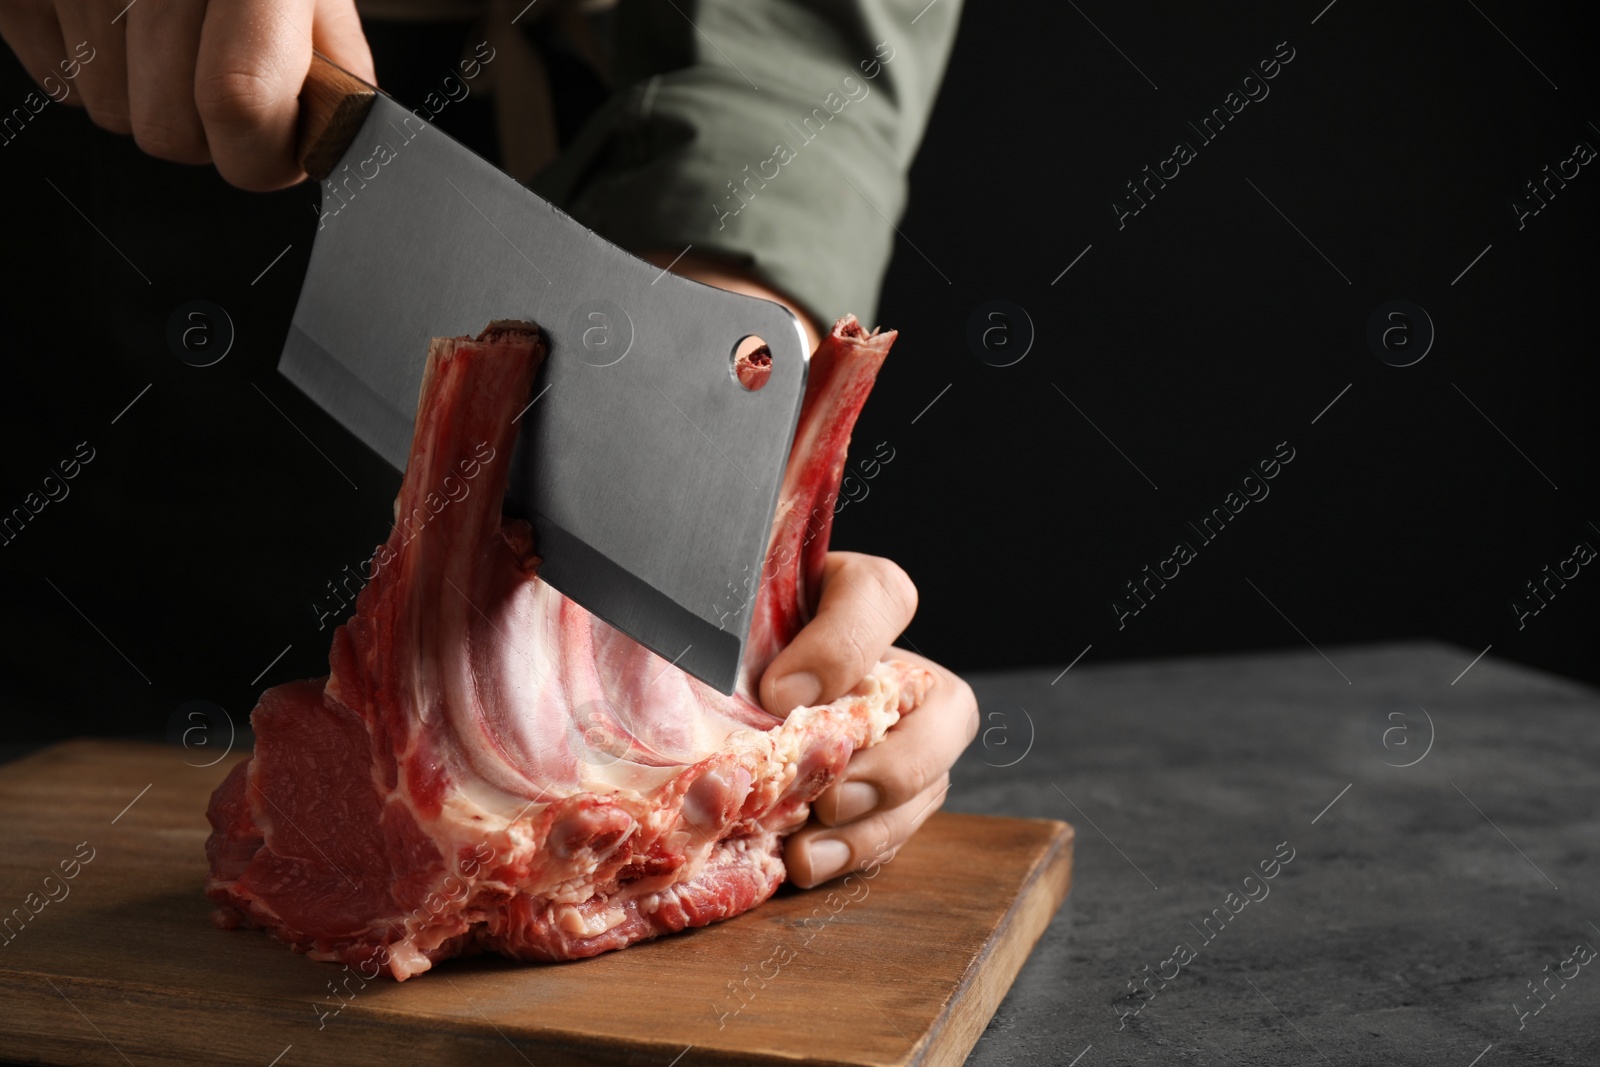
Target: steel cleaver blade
(649, 473)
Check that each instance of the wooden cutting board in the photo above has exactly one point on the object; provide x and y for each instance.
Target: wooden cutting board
(119, 964)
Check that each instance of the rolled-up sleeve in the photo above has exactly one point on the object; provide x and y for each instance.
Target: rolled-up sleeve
(774, 133)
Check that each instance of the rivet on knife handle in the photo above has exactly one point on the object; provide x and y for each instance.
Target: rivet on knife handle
(333, 104)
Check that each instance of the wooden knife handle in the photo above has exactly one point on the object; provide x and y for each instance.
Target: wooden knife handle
(333, 104)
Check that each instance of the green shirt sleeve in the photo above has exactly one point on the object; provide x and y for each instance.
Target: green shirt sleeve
(772, 132)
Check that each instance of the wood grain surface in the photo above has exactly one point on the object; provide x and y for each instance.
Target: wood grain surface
(118, 963)
(333, 104)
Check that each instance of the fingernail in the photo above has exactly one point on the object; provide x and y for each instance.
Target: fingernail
(828, 856)
(798, 690)
(855, 800)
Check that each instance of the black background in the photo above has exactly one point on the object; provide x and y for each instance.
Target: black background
(1196, 338)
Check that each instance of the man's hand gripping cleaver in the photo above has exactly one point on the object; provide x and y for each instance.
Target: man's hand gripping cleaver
(649, 472)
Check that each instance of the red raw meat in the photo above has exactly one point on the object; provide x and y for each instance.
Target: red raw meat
(490, 767)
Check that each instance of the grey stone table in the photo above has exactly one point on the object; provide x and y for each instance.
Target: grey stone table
(1443, 838)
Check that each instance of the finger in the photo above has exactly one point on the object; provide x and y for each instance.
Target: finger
(253, 60)
(917, 750)
(866, 601)
(337, 35)
(102, 83)
(163, 47)
(816, 854)
(31, 29)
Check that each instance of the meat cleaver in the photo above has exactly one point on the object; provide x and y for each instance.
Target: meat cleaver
(649, 473)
